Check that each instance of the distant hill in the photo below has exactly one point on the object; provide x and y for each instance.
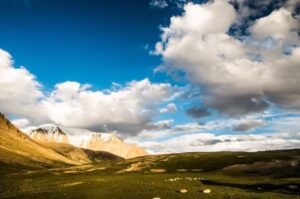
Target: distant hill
(82, 138)
(80, 155)
(113, 144)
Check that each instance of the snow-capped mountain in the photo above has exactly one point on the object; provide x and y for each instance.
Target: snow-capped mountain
(82, 138)
(49, 133)
(113, 144)
(97, 139)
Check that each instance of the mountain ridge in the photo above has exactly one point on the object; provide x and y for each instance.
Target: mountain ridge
(18, 150)
(85, 139)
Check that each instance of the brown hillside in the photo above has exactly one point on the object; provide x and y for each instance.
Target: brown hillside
(18, 149)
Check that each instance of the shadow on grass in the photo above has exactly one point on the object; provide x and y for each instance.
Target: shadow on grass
(289, 188)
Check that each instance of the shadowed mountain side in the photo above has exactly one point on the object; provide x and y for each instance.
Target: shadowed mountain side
(83, 156)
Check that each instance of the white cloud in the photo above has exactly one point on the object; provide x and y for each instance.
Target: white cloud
(171, 108)
(165, 129)
(19, 89)
(189, 127)
(74, 105)
(280, 24)
(249, 10)
(21, 123)
(198, 18)
(211, 142)
(279, 131)
(287, 135)
(127, 109)
(288, 124)
(237, 77)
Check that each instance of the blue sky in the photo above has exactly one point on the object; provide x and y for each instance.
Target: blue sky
(154, 70)
(94, 42)
(61, 38)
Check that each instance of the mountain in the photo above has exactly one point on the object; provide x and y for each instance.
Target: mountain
(109, 142)
(83, 156)
(49, 133)
(113, 144)
(17, 149)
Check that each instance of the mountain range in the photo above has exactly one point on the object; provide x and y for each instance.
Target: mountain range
(49, 146)
(110, 142)
(20, 150)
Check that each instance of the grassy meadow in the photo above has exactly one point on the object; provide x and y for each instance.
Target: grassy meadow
(242, 175)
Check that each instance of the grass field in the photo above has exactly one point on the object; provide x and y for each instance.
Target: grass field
(229, 174)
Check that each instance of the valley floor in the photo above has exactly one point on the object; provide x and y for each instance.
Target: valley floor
(228, 175)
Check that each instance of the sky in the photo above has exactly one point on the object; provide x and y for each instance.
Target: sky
(168, 75)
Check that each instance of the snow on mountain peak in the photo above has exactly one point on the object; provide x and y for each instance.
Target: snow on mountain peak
(48, 133)
(85, 139)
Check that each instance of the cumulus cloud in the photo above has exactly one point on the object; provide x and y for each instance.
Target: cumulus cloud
(249, 10)
(237, 75)
(197, 112)
(19, 89)
(249, 125)
(171, 108)
(281, 26)
(126, 108)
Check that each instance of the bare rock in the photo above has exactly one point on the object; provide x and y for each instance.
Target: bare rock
(183, 190)
(206, 191)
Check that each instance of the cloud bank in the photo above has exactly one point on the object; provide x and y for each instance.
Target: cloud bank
(237, 74)
(211, 142)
